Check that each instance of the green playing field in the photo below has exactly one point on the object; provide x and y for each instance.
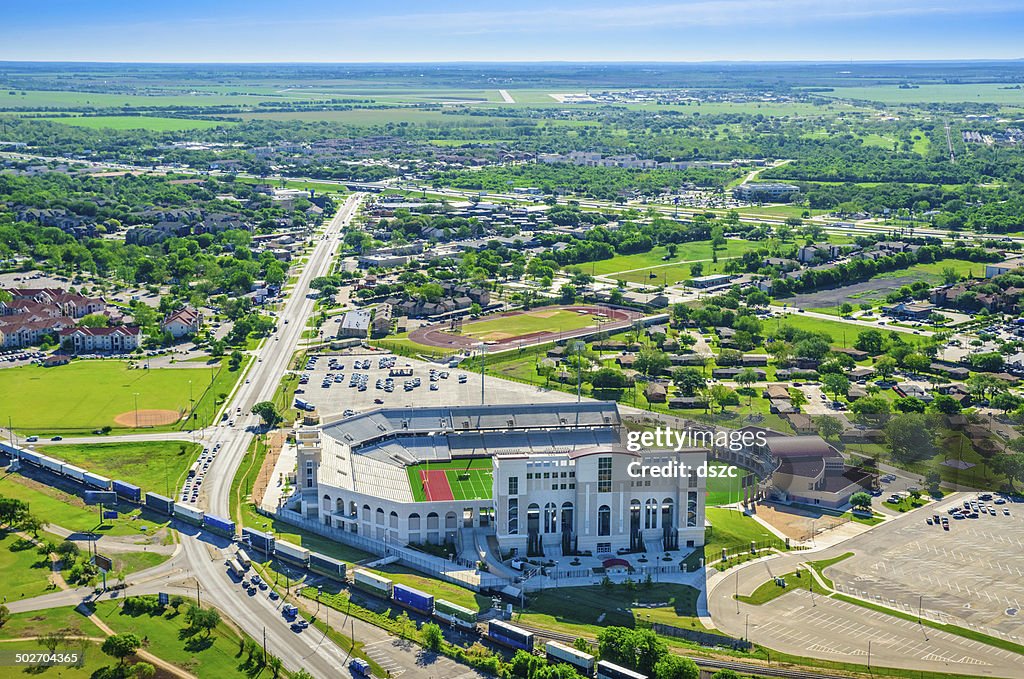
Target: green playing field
(468, 479)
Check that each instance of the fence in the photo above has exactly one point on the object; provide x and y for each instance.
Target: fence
(457, 572)
(702, 638)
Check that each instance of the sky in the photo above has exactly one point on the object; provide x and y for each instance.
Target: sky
(527, 30)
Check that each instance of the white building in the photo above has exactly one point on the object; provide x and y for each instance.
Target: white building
(549, 478)
(117, 340)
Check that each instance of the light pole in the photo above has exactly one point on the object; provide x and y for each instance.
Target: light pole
(136, 395)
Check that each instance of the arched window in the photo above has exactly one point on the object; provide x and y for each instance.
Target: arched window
(568, 523)
(414, 521)
(604, 520)
(339, 506)
(366, 513)
(380, 516)
(432, 520)
(326, 503)
(393, 519)
(651, 514)
(550, 517)
(668, 513)
(450, 521)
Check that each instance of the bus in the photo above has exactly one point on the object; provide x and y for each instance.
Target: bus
(236, 569)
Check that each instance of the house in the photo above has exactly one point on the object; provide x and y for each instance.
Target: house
(356, 324)
(993, 270)
(860, 374)
(753, 360)
(183, 322)
(810, 471)
(916, 311)
(685, 402)
(781, 407)
(801, 423)
(711, 281)
(118, 339)
(855, 354)
(955, 372)
(777, 391)
(655, 393)
(731, 373)
(909, 389)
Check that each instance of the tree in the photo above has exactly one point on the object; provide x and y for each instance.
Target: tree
(916, 362)
(885, 367)
(688, 380)
(860, 500)
(845, 309)
(609, 378)
(268, 413)
(433, 637)
(235, 362)
(945, 404)
(202, 619)
(909, 404)
(990, 362)
(121, 646)
(675, 667)
(1005, 401)
(94, 321)
(5, 615)
(871, 341)
(143, 670)
(835, 384)
(652, 361)
(909, 437)
(829, 427)
(275, 665)
(725, 674)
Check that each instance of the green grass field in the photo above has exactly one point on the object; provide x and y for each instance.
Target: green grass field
(932, 271)
(469, 479)
(26, 573)
(159, 466)
(85, 395)
(213, 656)
(724, 491)
(843, 334)
(672, 274)
(527, 322)
(686, 252)
(139, 123)
(70, 511)
(35, 623)
(989, 93)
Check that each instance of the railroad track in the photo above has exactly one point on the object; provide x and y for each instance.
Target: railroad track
(706, 663)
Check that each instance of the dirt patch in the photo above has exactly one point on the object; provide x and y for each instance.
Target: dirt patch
(275, 442)
(147, 418)
(797, 523)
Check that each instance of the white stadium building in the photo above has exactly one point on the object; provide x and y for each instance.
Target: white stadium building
(545, 478)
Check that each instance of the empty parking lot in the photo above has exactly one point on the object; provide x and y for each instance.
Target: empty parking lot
(971, 575)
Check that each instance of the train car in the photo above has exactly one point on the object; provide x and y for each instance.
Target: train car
(372, 583)
(243, 559)
(29, 456)
(10, 450)
(285, 551)
(509, 635)
(188, 513)
(159, 503)
(413, 599)
(73, 472)
(236, 569)
(53, 465)
(326, 566)
(560, 653)
(220, 526)
(258, 540)
(127, 490)
(96, 481)
(607, 670)
(453, 614)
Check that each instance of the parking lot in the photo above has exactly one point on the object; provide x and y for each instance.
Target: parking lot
(800, 622)
(366, 387)
(970, 575)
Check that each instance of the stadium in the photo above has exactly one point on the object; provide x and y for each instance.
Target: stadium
(544, 479)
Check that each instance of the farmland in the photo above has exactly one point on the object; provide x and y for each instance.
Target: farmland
(139, 123)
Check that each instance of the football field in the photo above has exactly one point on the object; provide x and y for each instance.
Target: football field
(454, 480)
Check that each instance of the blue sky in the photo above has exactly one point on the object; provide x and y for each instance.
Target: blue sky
(528, 30)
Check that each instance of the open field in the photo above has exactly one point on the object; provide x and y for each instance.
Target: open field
(36, 100)
(525, 323)
(843, 334)
(932, 271)
(36, 623)
(86, 395)
(67, 510)
(989, 93)
(26, 573)
(139, 123)
(672, 274)
(686, 252)
(159, 466)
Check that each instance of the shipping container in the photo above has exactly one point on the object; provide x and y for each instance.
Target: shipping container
(509, 635)
(291, 553)
(606, 670)
(9, 450)
(159, 503)
(453, 614)
(258, 540)
(29, 456)
(188, 513)
(127, 490)
(243, 558)
(372, 583)
(413, 599)
(215, 524)
(96, 481)
(560, 653)
(73, 472)
(50, 463)
(325, 565)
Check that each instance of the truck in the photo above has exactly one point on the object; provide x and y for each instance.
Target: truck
(304, 405)
(370, 582)
(236, 569)
(243, 558)
(359, 667)
(413, 599)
